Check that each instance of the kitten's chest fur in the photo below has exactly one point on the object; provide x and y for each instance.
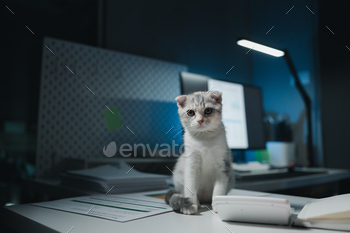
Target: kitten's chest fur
(210, 148)
(213, 151)
(209, 165)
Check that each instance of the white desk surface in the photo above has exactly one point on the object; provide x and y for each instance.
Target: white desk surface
(28, 218)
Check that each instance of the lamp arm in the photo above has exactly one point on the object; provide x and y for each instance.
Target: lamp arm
(307, 102)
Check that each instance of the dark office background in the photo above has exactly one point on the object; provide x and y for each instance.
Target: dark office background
(199, 34)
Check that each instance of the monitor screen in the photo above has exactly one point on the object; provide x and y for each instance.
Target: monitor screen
(242, 109)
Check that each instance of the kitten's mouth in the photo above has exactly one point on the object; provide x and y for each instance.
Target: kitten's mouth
(201, 126)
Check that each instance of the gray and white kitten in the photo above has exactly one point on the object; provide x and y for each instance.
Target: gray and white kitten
(204, 170)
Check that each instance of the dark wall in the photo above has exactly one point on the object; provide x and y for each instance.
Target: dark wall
(21, 50)
(335, 81)
(199, 34)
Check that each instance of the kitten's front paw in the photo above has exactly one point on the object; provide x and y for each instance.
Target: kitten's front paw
(189, 210)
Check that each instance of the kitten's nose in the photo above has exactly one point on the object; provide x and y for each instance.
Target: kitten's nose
(200, 121)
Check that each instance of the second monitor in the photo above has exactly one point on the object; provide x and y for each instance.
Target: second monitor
(242, 109)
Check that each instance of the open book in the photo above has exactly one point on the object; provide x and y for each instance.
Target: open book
(327, 213)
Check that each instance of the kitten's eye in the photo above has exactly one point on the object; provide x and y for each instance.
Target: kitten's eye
(190, 113)
(208, 111)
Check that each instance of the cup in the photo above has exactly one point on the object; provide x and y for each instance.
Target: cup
(282, 154)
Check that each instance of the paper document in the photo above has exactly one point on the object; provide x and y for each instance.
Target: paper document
(121, 208)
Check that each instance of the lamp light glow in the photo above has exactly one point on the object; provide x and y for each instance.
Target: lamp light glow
(260, 48)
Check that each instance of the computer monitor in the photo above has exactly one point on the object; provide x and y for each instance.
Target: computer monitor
(242, 112)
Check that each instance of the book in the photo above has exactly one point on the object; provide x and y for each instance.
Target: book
(327, 213)
(114, 178)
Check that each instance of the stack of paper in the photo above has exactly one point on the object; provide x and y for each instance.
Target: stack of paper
(328, 213)
(115, 178)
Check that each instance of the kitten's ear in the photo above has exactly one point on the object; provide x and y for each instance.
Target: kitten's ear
(181, 99)
(217, 96)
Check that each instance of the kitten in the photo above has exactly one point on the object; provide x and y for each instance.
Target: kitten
(204, 169)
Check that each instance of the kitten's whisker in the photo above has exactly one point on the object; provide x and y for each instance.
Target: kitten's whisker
(178, 127)
(177, 130)
(177, 133)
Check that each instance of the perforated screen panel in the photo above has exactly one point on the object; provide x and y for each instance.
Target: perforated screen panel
(79, 82)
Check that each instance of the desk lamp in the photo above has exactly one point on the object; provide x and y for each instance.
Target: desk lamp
(284, 53)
